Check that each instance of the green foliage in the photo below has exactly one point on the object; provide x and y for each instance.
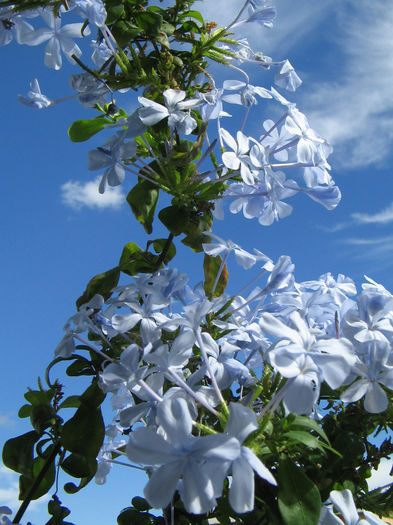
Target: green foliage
(82, 130)
(299, 500)
(101, 284)
(143, 200)
(57, 512)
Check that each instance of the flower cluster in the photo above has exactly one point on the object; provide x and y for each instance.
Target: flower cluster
(214, 395)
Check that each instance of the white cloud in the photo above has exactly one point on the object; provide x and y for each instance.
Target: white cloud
(354, 110)
(383, 217)
(77, 195)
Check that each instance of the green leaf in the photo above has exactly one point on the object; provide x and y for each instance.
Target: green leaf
(114, 13)
(305, 438)
(192, 14)
(211, 267)
(24, 411)
(71, 488)
(42, 416)
(140, 503)
(124, 31)
(84, 433)
(159, 246)
(57, 512)
(82, 130)
(174, 218)
(143, 200)
(78, 466)
(18, 453)
(131, 516)
(102, 284)
(198, 224)
(80, 367)
(38, 397)
(26, 481)
(299, 500)
(70, 402)
(306, 422)
(128, 252)
(149, 22)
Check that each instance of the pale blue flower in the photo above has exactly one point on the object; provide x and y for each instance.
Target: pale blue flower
(287, 77)
(343, 502)
(60, 39)
(93, 10)
(176, 109)
(111, 156)
(36, 99)
(242, 422)
(181, 456)
(375, 370)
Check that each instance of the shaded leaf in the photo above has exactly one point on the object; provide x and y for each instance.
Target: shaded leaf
(18, 453)
(143, 200)
(101, 284)
(299, 500)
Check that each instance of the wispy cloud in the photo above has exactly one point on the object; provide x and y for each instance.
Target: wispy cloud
(78, 195)
(379, 250)
(355, 110)
(383, 217)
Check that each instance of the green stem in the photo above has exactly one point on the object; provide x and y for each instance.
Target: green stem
(36, 484)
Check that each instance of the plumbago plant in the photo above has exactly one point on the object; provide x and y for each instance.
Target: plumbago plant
(247, 408)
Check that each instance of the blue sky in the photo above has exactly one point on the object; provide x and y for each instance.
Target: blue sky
(57, 233)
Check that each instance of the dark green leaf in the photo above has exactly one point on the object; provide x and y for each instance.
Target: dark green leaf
(78, 466)
(24, 411)
(26, 481)
(140, 503)
(160, 244)
(299, 500)
(70, 402)
(143, 200)
(93, 396)
(198, 224)
(134, 517)
(124, 31)
(38, 397)
(18, 453)
(84, 432)
(174, 218)
(192, 14)
(114, 13)
(42, 417)
(80, 367)
(102, 284)
(149, 22)
(305, 438)
(71, 488)
(306, 422)
(57, 512)
(82, 130)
